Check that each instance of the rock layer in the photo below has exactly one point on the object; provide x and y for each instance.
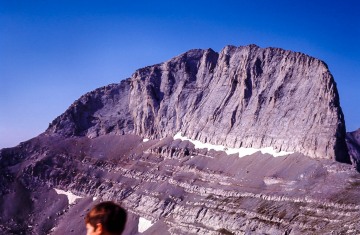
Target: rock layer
(182, 190)
(241, 97)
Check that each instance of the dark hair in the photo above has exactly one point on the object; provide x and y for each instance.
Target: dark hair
(110, 215)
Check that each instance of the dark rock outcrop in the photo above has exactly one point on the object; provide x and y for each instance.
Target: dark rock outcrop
(241, 97)
(353, 143)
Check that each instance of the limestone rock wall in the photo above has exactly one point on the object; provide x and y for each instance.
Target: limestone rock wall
(241, 97)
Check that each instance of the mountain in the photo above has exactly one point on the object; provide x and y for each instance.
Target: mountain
(256, 97)
(246, 141)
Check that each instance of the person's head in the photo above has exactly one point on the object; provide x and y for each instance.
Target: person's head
(106, 218)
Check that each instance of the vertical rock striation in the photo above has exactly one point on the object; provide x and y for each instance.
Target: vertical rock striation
(241, 97)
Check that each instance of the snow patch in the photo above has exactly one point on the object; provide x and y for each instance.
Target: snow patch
(272, 180)
(144, 224)
(241, 151)
(145, 140)
(71, 197)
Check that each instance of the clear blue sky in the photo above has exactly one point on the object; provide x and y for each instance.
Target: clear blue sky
(52, 51)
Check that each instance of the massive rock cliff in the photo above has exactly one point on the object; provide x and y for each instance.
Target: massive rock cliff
(242, 97)
(121, 142)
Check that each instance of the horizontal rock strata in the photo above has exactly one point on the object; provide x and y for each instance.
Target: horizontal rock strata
(191, 191)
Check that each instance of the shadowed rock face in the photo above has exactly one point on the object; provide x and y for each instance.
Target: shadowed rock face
(353, 143)
(241, 97)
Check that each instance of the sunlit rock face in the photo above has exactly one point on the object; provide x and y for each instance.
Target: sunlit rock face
(241, 97)
(238, 142)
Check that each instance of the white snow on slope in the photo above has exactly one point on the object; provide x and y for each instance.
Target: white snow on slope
(71, 197)
(144, 224)
(241, 151)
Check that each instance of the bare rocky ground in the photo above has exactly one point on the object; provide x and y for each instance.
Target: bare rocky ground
(241, 97)
(181, 189)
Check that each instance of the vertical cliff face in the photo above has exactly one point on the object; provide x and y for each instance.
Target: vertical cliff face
(242, 97)
(245, 96)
